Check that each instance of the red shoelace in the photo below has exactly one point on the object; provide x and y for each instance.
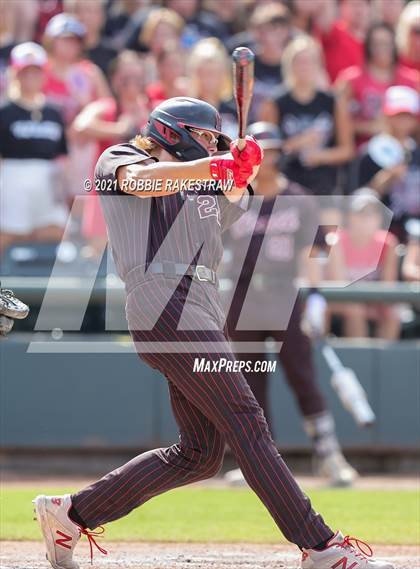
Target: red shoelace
(363, 547)
(91, 535)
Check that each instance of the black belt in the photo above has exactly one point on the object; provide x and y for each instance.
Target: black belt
(170, 270)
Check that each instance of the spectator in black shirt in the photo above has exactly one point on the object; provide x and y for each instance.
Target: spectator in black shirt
(271, 28)
(92, 15)
(32, 137)
(315, 124)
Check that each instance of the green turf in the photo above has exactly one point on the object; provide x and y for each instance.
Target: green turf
(204, 514)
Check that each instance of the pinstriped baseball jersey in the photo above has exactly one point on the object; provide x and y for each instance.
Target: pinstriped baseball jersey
(138, 227)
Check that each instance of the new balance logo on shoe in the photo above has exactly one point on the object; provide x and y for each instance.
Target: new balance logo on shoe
(56, 501)
(342, 564)
(64, 539)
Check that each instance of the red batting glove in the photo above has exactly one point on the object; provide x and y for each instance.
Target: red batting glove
(227, 169)
(252, 154)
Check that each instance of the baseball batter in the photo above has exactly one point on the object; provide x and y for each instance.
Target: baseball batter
(167, 247)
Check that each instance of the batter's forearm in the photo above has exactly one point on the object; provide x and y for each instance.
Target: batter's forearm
(133, 176)
(157, 179)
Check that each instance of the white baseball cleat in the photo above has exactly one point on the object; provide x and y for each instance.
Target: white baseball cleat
(60, 533)
(340, 553)
(338, 471)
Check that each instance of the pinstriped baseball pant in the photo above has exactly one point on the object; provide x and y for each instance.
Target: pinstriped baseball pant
(211, 408)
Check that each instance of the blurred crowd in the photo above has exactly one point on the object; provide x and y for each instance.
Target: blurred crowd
(339, 78)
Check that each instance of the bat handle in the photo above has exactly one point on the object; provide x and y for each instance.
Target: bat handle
(241, 143)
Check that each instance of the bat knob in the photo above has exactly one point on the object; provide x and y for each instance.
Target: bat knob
(243, 56)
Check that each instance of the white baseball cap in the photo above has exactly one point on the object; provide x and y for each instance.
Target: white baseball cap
(65, 25)
(401, 99)
(26, 54)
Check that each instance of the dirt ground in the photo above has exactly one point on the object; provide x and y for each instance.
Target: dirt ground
(30, 555)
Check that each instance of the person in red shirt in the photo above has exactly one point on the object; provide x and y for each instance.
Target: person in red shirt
(408, 35)
(71, 83)
(364, 86)
(342, 39)
(355, 256)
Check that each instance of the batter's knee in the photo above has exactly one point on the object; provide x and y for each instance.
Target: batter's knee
(212, 466)
(204, 462)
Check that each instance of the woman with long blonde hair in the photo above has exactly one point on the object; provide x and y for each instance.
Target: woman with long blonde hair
(209, 69)
(314, 123)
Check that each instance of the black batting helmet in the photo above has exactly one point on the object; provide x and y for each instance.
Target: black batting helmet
(170, 123)
(268, 135)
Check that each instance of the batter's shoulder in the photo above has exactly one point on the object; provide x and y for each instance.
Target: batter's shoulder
(119, 155)
(125, 149)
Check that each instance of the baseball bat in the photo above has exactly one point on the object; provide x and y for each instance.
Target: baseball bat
(243, 86)
(348, 388)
